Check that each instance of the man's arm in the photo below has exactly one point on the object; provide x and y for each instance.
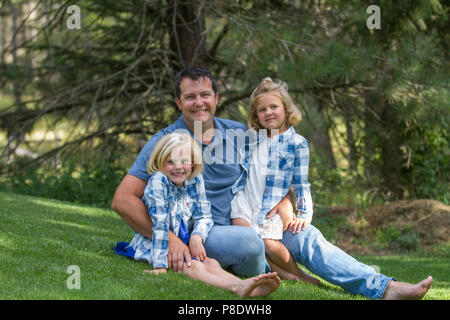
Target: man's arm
(127, 202)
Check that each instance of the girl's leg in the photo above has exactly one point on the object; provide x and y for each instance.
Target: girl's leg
(281, 261)
(210, 272)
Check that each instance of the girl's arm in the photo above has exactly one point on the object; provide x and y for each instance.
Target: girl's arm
(202, 217)
(155, 196)
(285, 209)
(240, 222)
(300, 181)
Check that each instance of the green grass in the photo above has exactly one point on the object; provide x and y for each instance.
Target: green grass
(41, 238)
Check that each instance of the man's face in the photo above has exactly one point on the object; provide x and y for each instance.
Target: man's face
(197, 101)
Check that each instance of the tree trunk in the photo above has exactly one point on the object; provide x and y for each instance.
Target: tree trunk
(188, 33)
(390, 149)
(15, 134)
(320, 137)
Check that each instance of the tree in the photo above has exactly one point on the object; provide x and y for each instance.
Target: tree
(107, 87)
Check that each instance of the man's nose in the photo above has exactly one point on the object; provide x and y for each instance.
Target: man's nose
(198, 101)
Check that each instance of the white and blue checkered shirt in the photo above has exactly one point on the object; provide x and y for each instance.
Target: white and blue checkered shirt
(287, 166)
(167, 204)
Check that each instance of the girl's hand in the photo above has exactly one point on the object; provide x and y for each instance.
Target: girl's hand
(156, 271)
(297, 225)
(196, 247)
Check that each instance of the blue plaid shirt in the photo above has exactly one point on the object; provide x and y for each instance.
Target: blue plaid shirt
(167, 205)
(287, 166)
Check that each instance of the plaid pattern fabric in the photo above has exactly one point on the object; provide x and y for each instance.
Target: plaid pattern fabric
(287, 166)
(167, 206)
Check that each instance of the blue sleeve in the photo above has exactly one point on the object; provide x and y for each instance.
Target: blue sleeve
(139, 167)
(202, 217)
(300, 181)
(155, 197)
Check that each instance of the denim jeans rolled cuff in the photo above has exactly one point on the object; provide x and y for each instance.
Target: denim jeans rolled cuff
(378, 286)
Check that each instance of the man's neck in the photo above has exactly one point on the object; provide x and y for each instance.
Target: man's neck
(203, 131)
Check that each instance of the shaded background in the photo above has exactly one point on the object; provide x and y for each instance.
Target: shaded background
(76, 106)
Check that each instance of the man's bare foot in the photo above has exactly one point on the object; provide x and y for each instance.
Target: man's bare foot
(259, 286)
(407, 291)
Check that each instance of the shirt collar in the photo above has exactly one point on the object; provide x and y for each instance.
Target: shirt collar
(185, 184)
(181, 124)
(282, 137)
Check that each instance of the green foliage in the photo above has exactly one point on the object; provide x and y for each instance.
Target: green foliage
(428, 167)
(397, 239)
(375, 101)
(91, 184)
(408, 240)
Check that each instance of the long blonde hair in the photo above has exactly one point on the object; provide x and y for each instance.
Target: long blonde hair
(279, 89)
(165, 146)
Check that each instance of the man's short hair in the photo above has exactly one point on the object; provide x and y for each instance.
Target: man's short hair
(193, 73)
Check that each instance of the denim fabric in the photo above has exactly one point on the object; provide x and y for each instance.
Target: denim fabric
(322, 258)
(238, 249)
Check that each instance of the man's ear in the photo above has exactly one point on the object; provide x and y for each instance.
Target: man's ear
(178, 102)
(217, 98)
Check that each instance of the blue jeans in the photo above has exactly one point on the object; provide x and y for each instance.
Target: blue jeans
(238, 249)
(322, 258)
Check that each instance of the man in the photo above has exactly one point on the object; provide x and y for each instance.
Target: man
(235, 247)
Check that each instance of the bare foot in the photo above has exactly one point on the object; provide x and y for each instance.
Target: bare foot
(156, 271)
(407, 291)
(259, 286)
(307, 278)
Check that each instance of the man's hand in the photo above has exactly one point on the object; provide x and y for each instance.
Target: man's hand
(285, 209)
(197, 248)
(178, 252)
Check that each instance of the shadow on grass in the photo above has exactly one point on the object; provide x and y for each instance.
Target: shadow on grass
(40, 238)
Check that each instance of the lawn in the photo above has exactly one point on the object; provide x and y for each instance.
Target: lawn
(41, 238)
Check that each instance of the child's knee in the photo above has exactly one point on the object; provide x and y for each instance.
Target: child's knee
(196, 266)
(211, 263)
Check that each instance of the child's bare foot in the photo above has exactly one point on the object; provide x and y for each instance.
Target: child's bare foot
(259, 286)
(407, 291)
(307, 278)
(299, 276)
(156, 271)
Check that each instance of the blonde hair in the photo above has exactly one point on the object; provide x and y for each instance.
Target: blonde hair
(279, 89)
(167, 144)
